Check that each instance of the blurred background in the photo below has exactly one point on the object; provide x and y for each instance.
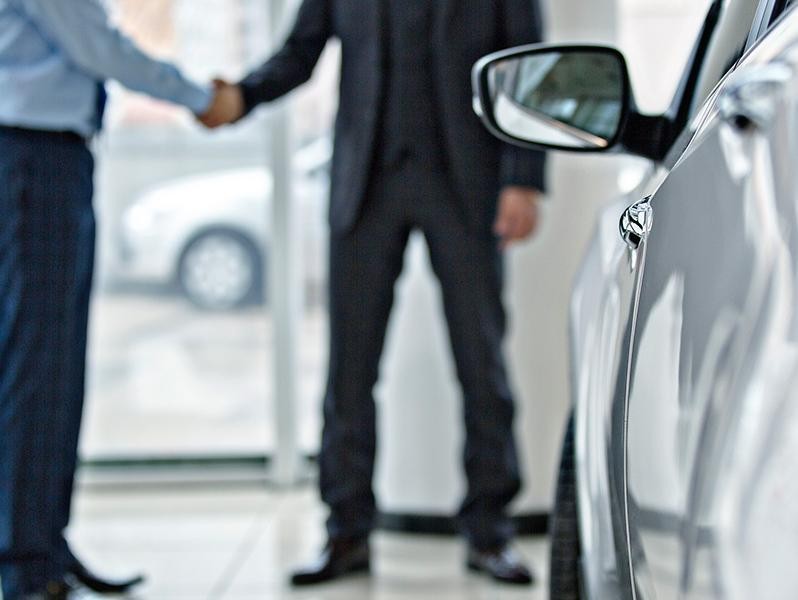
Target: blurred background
(208, 335)
(182, 338)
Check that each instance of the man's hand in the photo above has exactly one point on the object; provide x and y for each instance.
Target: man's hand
(518, 215)
(227, 106)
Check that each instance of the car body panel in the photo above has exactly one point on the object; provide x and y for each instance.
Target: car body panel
(716, 299)
(602, 317)
(602, 323)
(683, 333)
(600, 312)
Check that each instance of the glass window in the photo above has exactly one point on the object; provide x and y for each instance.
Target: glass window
(181, 346)
(313, 112)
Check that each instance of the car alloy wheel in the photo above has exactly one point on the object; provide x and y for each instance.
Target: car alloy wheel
(220, 270)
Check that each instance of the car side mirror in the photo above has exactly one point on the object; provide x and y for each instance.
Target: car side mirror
(575, 98)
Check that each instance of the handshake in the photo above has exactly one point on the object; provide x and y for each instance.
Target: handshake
(226, 107)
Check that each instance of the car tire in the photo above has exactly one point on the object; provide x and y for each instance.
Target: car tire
(564, 564)
(221, 269)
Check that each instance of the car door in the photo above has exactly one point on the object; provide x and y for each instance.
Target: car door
(720, 233)
(601, 310)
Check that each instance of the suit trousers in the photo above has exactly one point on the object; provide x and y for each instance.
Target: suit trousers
(365, 263)
(47, 232)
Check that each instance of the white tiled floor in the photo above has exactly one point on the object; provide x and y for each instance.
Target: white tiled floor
(238, 544)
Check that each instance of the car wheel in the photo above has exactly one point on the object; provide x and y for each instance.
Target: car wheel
(564, 568)
(221, 269)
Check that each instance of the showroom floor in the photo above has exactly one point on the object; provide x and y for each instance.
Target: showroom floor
(205, 543)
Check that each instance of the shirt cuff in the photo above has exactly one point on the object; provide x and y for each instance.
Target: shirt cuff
(523, 168)
(197, 98)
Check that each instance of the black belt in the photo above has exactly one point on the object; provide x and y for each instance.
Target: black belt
(64, 136)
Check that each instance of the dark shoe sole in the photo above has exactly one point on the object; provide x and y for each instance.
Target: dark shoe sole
(301, 580)
(477, 569)
(101, 586)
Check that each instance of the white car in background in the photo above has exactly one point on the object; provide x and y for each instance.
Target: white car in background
(210, 234)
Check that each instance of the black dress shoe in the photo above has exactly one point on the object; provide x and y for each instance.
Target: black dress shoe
(503, 564)
(102, 585)
(339, 558)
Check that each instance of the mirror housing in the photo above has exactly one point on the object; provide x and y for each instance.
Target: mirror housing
(565, 97)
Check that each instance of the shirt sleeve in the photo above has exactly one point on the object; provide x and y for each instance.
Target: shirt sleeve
(82, 31)
(293, 64)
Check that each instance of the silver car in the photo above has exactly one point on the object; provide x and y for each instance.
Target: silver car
(210, 233)
(678, 472)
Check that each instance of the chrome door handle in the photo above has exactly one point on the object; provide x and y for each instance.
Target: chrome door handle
(636, 221)
(749, 98)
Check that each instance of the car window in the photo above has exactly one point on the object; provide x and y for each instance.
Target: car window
(719, 46)
(781, 7)
(771, 12)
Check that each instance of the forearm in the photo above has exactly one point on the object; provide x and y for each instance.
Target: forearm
(293, 64)
(80, 29)
(284, 72)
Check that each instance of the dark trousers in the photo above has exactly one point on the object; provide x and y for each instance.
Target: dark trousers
(364, 266)
(46, 262)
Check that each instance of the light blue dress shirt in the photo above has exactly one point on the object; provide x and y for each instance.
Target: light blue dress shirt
(54, 54)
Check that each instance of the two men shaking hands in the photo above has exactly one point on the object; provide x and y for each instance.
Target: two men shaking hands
(409, 155)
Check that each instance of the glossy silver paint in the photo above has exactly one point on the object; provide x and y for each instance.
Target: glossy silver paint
(601, 307)
(602, 320)
(684, 336)
(683, 351)
(714, 348)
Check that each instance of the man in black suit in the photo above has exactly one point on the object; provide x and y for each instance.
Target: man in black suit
(411, 155)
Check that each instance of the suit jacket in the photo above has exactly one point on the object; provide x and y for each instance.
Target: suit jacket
(464, 30)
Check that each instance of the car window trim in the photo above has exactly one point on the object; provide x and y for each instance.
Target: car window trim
(767, 13)
(685, 93)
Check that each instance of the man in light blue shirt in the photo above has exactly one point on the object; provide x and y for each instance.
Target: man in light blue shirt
(55, 56)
